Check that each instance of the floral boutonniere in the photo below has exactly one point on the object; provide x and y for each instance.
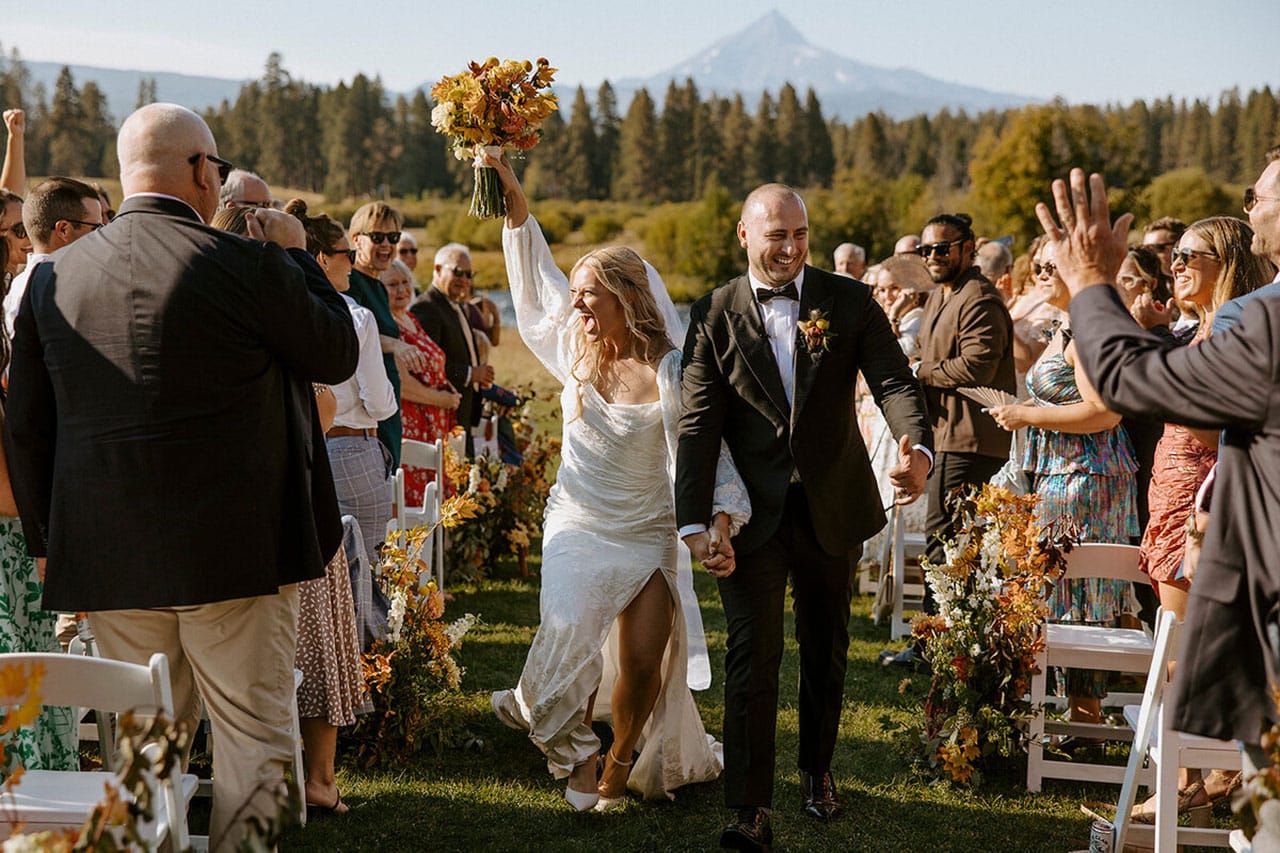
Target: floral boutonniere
(817, 332)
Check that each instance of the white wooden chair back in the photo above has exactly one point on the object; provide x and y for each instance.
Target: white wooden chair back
(48, 798)
(421, 454)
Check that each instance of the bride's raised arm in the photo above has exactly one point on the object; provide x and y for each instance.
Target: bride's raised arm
(539, 290)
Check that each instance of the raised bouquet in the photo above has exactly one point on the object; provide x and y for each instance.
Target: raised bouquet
(493, 106)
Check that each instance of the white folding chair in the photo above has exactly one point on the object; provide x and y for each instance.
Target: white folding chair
(52, 799)
(1155, 740)
(420, 454)
(898, 547)
(1087, 647)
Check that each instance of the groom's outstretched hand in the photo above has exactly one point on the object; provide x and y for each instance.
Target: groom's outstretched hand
(909, 474)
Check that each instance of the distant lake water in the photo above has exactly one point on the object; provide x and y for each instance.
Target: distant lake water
(502, 298)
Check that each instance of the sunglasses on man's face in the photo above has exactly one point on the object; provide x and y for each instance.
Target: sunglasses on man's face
(408, 251)
(1251, 199)
(379, 236)
(457, 272)
(92, 226)
(224, 166)
(942, 247)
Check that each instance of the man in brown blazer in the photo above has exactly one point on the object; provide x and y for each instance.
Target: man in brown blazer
(966, 341)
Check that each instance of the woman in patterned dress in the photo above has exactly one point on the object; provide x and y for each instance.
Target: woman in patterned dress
(427, 400)
(50, 742)
(1082, 465)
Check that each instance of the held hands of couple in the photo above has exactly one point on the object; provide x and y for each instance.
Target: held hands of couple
(713, 547)
(1087, 247)
(909, 474)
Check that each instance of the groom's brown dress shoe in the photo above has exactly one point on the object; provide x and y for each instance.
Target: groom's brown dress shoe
(751, 831)
(819, 793)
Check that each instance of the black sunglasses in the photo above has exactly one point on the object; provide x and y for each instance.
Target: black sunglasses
(1185, 255)
(17, 229)
(93, 226)
(379, 236)
(458, 271)
(942, 247)
(350, 253)
(408, 251)
(1251, 199)
(1048, 268)
(224, 166)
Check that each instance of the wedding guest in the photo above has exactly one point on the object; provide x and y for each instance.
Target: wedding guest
(482, 313)
(618, 615)
(375, 233)
(427, 400)
(13, 232)
(1162, 235)
(1142, 274)
(995, 262)
(108, 212)
(1222, 687)
(908, 244)
(56, 213)
(328, 654)
(163, 369)
(13, 174)
(407, 252)
(441, 316)
(52, 741)
(850, 259)
(1211, 265)
(244, 189)
(1081, 464)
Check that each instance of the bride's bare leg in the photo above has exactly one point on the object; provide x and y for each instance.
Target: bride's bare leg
(644, 628)
(583, 777)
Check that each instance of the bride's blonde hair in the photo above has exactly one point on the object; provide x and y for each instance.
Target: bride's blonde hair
(622, 272)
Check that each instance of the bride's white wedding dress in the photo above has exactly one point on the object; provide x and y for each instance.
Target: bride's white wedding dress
(610, 525)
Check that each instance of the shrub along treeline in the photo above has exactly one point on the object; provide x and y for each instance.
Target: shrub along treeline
(673, 176)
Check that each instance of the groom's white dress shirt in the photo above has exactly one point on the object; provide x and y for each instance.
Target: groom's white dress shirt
(781, 320)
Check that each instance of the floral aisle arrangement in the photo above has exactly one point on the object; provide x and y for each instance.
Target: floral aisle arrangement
(412, 674)
(511, 499)
(992, 595)
(494, 105)
(1257, 803)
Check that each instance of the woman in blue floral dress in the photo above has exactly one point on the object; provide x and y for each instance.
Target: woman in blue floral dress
(1082, 465)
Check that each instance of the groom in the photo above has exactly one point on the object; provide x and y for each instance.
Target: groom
(770, 366)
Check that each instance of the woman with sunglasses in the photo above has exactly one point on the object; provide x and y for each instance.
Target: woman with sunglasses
(1212, 263)
(13, 232)
(427, 400)
(1081, 464)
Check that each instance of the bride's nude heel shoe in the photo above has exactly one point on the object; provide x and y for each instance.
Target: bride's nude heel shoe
(606, 802)
(583, 801)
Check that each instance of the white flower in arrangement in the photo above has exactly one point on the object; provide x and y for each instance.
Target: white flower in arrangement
(975, 650)
(473, 479)
(501, 482)
(459, 628)
(395, 618)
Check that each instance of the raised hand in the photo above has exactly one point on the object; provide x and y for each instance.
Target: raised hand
(1087, 248)
(276, 226)
(15, 121)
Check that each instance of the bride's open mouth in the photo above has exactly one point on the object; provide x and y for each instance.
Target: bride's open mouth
(589, 324)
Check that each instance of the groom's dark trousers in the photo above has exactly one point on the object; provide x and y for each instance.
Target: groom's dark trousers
(754, 597)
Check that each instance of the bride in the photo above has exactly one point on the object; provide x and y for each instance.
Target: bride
(621, 636)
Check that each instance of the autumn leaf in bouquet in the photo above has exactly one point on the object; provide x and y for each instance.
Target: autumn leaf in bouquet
(493, 106)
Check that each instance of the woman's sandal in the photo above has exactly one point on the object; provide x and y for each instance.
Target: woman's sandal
(315, 811)
(582, 801)
(606, 801)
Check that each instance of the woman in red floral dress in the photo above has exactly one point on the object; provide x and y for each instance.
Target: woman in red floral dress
(427, 400)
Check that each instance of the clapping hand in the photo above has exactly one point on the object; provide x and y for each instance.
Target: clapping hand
(909, 474)
(1149, 313)
(1088, 248)
(15, 121)
(276, 226)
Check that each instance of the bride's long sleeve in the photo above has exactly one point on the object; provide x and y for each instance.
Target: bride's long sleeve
(540, 296)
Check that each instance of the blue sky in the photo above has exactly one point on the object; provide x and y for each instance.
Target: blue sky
(1085, 51)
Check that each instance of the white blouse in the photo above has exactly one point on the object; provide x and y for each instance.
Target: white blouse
(368, 396)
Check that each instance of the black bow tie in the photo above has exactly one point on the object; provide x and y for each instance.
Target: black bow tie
(787, 291)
